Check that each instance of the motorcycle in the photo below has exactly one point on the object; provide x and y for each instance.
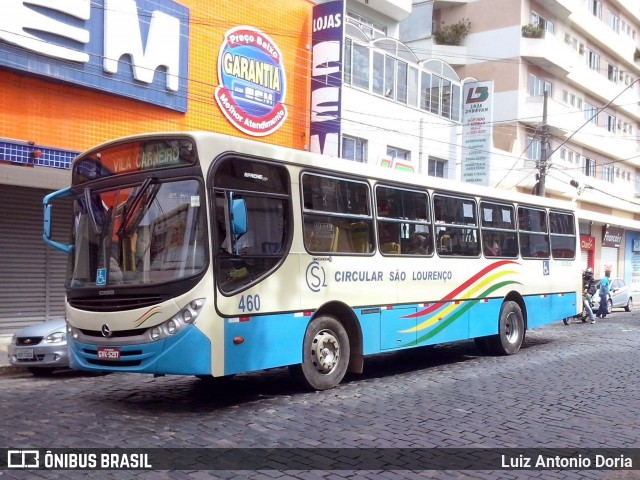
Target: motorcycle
(583, 315)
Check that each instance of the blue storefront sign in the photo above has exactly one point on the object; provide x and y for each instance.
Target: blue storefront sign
(326, 77)
(136, 49)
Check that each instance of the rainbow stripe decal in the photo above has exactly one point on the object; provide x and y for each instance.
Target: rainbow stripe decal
(147, 315)
(443, 313)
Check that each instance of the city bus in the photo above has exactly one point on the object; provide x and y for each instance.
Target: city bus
(201, 254)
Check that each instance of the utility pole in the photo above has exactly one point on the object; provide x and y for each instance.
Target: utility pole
(544, 150)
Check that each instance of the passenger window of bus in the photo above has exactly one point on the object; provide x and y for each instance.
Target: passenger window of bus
(404, 227)
(337, 215)
(532, 225)
(456, 226)
(498, 230)
(563, 235)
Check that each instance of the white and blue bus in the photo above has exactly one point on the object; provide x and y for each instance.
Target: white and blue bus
(210, 255)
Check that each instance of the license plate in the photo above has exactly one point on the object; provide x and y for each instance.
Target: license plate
(108, 353)
(25, 354)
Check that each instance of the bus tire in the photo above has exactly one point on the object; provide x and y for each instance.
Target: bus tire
(510, 330)
(325, 354)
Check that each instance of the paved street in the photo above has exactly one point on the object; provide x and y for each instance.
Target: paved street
(570, 386)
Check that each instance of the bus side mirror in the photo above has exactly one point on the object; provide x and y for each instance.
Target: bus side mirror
(46, 236)
(239, 216)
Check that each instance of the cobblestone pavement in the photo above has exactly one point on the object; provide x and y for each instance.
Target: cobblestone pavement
(570, 386)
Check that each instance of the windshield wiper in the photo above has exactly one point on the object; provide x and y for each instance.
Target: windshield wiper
(135, 203)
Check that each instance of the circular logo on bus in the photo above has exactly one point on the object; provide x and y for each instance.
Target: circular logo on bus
(253, 86)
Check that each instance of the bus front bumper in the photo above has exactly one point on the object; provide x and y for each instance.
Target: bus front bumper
(187, 353)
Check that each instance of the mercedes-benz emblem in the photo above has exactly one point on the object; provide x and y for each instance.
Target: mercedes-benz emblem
(106, 331)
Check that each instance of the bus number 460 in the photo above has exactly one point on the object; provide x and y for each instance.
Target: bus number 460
(250, 303)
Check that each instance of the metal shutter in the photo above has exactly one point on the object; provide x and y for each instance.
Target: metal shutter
(584, 259)
(609, 256)
(32, 274)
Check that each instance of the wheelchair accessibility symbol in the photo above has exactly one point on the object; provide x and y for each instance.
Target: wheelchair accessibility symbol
(545, 267)
(101, 276)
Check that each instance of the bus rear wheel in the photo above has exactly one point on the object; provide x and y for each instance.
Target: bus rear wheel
(510, 330)
(325, 354)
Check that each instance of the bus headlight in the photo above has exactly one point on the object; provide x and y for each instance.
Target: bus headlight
(172, 327)
(185, 317)
(73, 332)
(155, 333)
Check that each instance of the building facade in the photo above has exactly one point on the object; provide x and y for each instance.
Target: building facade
(583, 139)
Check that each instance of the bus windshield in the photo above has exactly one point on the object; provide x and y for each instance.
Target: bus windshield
(145, 234)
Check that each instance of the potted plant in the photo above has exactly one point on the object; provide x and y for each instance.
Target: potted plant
(532, 31)
(452, 34)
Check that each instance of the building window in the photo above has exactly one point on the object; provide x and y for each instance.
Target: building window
(592, 59)
(534, 148)
(354, 148)
(378, 73)
(356, 68)
(610, 123)
(614, 22)
(590, 113)
(371, 28)
(589, 166)
(542, 22)
(612, 72)
(399, 153)
(537, 86)
(402, 69)
(607, 173)
(412, 87)
(595, 7)
(391, 77)
(437, 167)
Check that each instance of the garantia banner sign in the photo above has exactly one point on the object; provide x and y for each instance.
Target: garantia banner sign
(253, 84)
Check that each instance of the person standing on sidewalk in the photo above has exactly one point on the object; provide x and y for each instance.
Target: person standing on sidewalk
(588, 290)
(604, 293)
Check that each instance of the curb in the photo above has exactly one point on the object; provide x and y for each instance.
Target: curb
(6, 370)
(5, 367)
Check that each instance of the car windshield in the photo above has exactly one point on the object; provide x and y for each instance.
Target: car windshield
(139, 235)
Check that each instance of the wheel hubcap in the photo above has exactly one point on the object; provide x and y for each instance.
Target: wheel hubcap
(511, 328)
(325, 351)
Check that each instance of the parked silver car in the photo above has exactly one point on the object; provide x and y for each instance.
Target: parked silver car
(41, 348)
(619, 296)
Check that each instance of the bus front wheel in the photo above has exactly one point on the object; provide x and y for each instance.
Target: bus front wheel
(510, 330)
(325, 354)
